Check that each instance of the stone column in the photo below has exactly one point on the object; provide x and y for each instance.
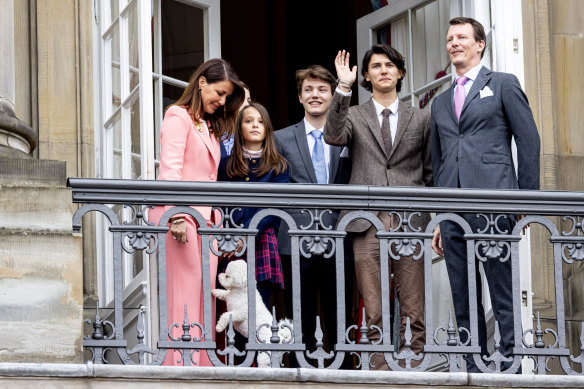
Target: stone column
(17, 139)
(41, 261)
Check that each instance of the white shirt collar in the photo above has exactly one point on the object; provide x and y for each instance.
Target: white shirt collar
(472, 73)
(393, 106)
(309, 128)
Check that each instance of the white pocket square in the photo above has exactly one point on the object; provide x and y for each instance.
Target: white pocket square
(486, 92)
(344, 153)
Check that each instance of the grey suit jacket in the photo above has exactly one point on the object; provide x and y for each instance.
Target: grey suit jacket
(292, 144)
(476, 151)
(408, 163)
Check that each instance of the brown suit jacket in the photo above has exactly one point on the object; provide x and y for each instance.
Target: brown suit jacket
(408, 164)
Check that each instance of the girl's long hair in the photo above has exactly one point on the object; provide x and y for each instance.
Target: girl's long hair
(223, 119)
(237, 165)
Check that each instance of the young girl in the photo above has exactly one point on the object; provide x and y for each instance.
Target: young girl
(254, 158)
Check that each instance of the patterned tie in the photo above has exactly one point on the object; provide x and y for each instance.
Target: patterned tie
(385, 130)
(318, 157)
(459, 96)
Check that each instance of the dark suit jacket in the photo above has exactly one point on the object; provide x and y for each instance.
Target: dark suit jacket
(408, 163)
(476, 152)
(292, 144)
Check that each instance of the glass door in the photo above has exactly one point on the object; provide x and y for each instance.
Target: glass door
(144, 54)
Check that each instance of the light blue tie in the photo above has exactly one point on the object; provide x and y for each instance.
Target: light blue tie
(318, 157)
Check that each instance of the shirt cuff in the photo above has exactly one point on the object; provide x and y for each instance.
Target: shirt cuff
(342, 92)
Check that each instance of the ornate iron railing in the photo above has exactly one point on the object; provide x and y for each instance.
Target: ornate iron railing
(276, 199)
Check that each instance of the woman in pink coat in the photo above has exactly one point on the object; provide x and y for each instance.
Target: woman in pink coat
(190, 151)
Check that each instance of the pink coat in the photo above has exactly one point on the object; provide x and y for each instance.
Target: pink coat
(186, 154)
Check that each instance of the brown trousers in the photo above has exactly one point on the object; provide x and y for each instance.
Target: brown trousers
(409, 283)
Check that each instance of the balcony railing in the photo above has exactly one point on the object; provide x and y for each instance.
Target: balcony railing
(560, 213)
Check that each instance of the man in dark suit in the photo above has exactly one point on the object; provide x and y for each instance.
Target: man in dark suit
(472, 126)
(390, 145)
(313, 161)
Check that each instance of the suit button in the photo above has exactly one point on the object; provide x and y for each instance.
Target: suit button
(456, 159)
(461, 136)
(247, 178)
(388, 166)
(212, 176)
(253, 161)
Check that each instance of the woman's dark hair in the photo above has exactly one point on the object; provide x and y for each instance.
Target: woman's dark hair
(237, 165)
(393, 55)
(223, 119)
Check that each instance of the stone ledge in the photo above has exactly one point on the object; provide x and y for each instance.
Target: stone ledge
(267, 377)
(33, 172)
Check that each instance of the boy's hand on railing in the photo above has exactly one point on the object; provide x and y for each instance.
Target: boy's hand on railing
(437, 241)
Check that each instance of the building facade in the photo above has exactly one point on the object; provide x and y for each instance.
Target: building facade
(88, 81)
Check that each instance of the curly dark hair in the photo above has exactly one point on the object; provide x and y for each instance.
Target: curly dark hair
(393, 55)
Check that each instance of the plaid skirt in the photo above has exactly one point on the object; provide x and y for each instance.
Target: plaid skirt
(268, 262)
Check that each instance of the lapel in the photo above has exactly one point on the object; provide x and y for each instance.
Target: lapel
(449, 102)
(335, 152)
(404, 115)
(369, 114)
(215, 146)
(206, 139)
(300, 133)
(482, 78)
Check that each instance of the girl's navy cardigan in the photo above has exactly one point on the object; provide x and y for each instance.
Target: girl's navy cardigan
(246, 214)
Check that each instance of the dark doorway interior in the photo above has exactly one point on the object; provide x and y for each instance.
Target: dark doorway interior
(266, 41)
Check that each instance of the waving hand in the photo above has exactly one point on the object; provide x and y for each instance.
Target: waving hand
(345, 73)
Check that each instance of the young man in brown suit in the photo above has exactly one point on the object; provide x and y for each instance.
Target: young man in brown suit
(390, 145)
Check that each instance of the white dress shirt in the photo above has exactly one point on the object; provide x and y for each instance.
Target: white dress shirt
(392, 116)
(327, 149)
(472, 76)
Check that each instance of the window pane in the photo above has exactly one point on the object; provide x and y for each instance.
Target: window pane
(155, 43)
(134, 61)
(136, 155)
(429, 52)
(116, 150)
(183, 39)
(114, 8)
(157, 121)
(170, 94)
(113, 51)
(138, 261)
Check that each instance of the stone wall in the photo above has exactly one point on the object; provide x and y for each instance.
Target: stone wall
(554, 83)
(55, 95)
(41, 272)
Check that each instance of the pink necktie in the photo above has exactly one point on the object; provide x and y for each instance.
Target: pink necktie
(459, 96)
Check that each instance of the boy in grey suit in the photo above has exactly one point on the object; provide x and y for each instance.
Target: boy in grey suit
(313, 161)
(390, 145)
(472, 126)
